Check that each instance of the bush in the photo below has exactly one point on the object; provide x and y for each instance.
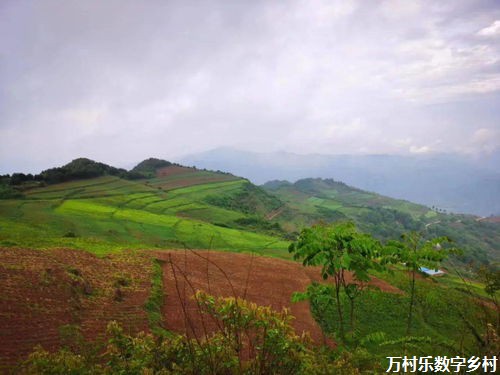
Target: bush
(251, 340)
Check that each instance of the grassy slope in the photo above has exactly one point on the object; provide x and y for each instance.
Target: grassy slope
(439, 311)
(107, 214)
(312, 200)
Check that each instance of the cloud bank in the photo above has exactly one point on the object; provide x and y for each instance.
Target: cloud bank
(119, 81)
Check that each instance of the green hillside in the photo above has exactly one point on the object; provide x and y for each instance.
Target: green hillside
(312, 200)
(94, 206)
(109, 213)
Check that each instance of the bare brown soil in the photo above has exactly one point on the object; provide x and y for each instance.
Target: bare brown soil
(263, 280)
(44, 290)
(185, 176)
(491, 219)
(190, 181)
(173, 170)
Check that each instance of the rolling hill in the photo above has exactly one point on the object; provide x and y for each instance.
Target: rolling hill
(311, 200)
(454, 182)
(179, 207)
(158, 204)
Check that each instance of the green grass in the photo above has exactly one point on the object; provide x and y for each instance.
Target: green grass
(154, 303)
(108, 214)
(438, 317)
(312, 200)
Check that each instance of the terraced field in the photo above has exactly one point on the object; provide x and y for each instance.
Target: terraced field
(108, 214)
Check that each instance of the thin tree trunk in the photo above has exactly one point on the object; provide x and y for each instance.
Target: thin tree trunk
(339, 307)
(412, 299)
(352, 317)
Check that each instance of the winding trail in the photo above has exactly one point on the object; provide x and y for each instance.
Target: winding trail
(271, 215)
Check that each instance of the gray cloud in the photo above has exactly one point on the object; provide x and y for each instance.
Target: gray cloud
(122, 80)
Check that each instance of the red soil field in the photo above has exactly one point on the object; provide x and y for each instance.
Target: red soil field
(44, 290)
(491, 219)
(187, 177)
(173, 170)
(190, 181)
(263, 280)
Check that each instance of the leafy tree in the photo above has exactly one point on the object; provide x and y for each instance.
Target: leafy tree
(19, 178)
(491, 279)
(82, 168)
(148, 167)
(338, 248)
(415, 252)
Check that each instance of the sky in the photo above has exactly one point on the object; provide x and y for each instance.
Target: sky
(120, 81)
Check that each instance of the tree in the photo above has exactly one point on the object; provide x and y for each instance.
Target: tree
(491, 279)
(415, 252)
(338, 248)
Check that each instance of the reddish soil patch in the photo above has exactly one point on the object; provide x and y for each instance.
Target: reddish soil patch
(185, 176)
(173, 170)
(263, 280)
(315, 274)
(271, 215)
(44, 290)
(491, 219)
(190, 181)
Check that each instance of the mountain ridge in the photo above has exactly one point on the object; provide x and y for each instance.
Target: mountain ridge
(448, 181)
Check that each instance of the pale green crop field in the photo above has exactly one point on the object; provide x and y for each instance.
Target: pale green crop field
(108, 214)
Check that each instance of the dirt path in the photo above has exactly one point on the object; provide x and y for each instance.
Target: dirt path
(263, 280)
(275, 213)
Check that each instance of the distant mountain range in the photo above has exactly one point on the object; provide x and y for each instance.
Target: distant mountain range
(449, 182)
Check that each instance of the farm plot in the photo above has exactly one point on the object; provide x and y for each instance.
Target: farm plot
(175, 177)
(262, 280)
(108, 214)
(90, 188)
(47, 292)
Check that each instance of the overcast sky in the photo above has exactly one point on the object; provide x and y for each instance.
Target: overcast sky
(119, 81)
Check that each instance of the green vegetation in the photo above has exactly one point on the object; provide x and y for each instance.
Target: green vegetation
(91, 205)
(454, 320)
(250, 340)
(446, 320)
(147, 168)
(415, 252)
(107, 214)
(309, 201)
(250, 199)
(154, 304)
(81, 168)
(338, 249)
(95, 207)
(78, 169)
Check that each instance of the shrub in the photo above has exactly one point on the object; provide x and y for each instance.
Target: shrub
(251, 340)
